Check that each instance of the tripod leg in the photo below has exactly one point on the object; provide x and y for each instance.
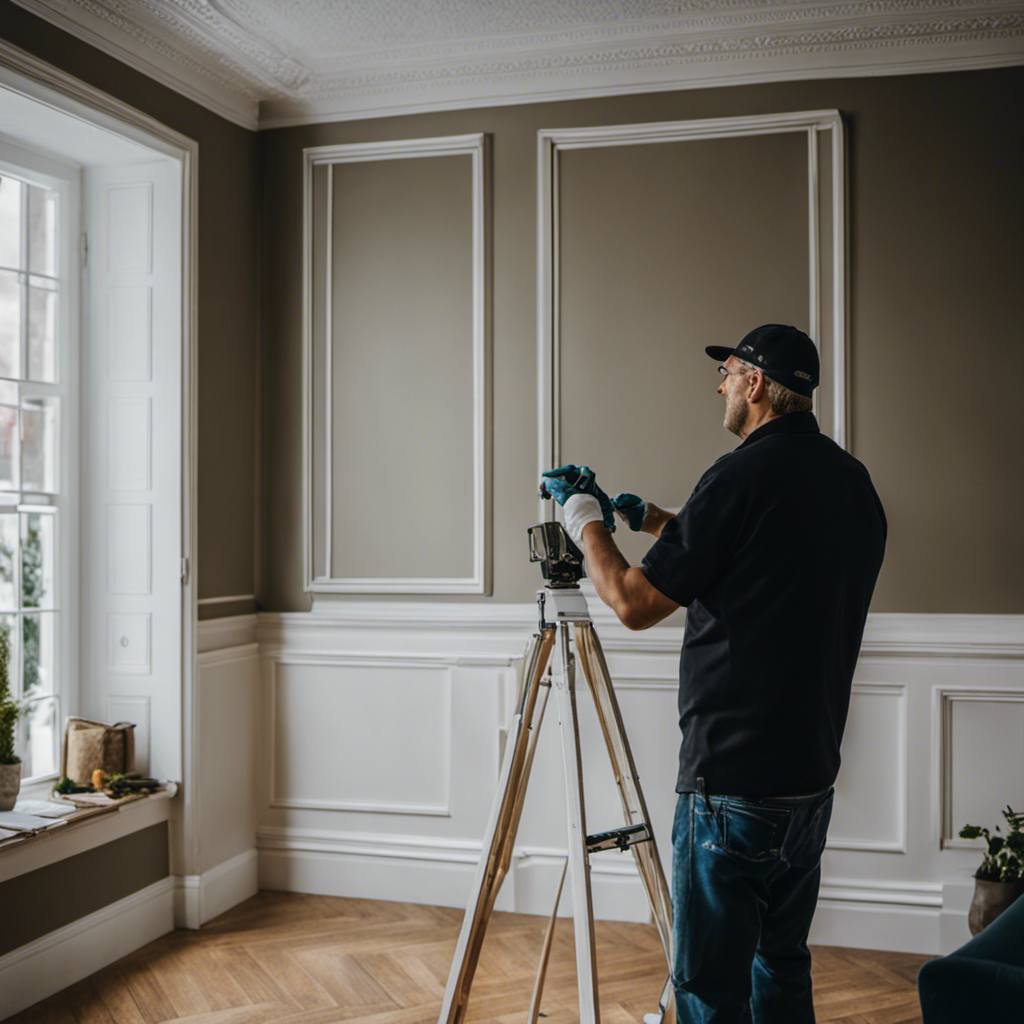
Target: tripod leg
(579, 864)
(595, 668)
(545, 953)
(501, 829)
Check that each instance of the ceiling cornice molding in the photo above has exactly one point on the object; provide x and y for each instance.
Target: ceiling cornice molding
(213, 52)
(193, 81)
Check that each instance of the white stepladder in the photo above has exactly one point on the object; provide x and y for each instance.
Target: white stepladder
(562, 605)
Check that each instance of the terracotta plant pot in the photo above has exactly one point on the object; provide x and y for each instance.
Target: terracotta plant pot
(990, 900)
(10, 784)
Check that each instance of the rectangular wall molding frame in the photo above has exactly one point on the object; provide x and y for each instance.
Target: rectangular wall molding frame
(896, 793)
(440, 808)
(945, 698)
(815, 124)
(318, 578)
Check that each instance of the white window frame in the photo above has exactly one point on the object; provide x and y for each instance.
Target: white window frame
(65, 179)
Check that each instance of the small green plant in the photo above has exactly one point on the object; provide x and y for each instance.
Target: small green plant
(1004, 861)
(66, 786)
(10, 709)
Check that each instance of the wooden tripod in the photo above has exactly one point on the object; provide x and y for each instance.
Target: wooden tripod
(570, 609)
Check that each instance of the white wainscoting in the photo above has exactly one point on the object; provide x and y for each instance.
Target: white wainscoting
(227, 733)
(387, 734)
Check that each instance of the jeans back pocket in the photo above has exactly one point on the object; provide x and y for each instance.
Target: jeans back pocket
(750, 831)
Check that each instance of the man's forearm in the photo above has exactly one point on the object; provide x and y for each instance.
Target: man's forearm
(624, 588)
(606, 565)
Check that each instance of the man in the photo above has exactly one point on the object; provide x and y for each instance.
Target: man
(775, 556)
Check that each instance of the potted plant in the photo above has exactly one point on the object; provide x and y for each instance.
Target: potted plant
(10, 709)
(1000, 879)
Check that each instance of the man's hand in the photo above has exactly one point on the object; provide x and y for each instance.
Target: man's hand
(632, 508)
(642, 516)
(566, 481)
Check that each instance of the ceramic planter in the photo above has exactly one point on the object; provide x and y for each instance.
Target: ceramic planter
(990, 900)
(10, 783)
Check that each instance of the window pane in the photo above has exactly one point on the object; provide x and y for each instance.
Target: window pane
(39, 726)
(42, 329)
(38, 653)
(8, 562)
(42, 230)
(9, 624)
(38, 434)
(10, 222)
(10, 324)
(10, 478)
(37, 533)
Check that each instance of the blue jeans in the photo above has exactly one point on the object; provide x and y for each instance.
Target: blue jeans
(745, 880)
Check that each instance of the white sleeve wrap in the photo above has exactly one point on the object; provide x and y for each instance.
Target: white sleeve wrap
(579, 510)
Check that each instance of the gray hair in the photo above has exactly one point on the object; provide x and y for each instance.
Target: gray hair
(780, 398)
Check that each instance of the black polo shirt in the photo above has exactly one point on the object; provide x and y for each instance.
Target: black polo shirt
(775, 557)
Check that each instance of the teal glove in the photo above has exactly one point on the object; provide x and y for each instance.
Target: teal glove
(565, 481)
(633, 508)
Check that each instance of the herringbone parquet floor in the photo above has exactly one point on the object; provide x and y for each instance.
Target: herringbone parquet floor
(287, 958)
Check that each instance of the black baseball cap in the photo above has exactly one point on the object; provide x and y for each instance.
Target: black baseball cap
(783, 353)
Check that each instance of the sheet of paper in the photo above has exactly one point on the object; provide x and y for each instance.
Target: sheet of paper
(44, 808)
(21, 821)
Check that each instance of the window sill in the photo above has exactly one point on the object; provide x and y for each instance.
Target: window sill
(84, 833)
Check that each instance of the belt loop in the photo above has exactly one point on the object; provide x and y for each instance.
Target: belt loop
(707, 803)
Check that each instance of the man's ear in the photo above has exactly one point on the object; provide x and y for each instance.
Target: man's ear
(757, 386)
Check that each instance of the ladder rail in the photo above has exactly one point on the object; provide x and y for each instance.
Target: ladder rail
(499, 838)
(627, 779)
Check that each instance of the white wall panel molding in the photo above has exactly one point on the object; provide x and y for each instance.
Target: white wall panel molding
(345, 724)
(67, 955)
(995, 738)
(889, 883)
(231, 59)
(886, 635)
(957, 636)
(826, 290)
(319, 576)
(871, 795)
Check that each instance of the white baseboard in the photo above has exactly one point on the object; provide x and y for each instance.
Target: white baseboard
(54, 961)
(410, 869)
(898, 916)
(904, 916)
(200, 898)
(419, 869)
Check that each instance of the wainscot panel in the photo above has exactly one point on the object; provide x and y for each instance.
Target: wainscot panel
(387, 723)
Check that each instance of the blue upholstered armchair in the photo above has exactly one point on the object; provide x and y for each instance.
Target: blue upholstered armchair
(981, 981)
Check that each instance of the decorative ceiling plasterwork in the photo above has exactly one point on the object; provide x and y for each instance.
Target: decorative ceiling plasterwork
(273, 62)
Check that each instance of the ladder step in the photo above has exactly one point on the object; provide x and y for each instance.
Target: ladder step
(619, 838)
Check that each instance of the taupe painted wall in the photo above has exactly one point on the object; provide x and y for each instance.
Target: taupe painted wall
(228, 299)
(402, 367)
(936, 265)
(709, 233)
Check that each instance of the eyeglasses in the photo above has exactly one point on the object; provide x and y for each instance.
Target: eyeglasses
(727, 373)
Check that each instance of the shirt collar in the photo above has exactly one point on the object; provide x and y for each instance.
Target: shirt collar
(791, 423)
